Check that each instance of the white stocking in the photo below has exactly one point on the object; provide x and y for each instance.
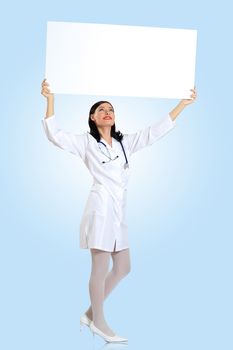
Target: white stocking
(100, 264)
(103, 282)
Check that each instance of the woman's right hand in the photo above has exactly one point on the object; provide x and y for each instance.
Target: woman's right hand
(45, 91)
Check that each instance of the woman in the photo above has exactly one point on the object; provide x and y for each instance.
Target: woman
(103, 229)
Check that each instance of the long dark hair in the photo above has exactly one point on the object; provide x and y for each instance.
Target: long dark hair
(93, 128)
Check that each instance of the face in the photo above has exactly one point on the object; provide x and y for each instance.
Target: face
(104, 115)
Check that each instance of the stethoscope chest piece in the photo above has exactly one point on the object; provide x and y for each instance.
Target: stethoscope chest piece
(126, 165)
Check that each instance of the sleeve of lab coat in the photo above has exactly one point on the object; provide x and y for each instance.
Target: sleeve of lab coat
(147, 136)
(73, 143)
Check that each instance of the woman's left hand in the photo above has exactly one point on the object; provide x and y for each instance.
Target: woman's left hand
(192, 98)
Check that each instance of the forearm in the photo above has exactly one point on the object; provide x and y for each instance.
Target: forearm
(50, 107)
(177, 110)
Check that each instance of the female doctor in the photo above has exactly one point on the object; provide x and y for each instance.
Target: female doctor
(103, 229)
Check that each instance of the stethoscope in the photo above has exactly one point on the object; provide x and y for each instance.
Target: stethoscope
(126, 165)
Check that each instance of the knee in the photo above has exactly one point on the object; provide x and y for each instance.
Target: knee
(98, 273)
(128, 269)
(122, 272)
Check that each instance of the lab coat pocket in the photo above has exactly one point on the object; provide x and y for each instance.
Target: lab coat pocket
(97, 201)
(91, 228)
(93, 220)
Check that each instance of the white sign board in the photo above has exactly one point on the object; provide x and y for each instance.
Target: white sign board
(120, 60)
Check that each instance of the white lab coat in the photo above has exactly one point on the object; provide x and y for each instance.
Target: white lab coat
(104, 219)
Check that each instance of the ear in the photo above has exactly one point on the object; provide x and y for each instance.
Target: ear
(92, 118)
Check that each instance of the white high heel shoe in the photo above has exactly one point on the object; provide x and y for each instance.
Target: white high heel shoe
(84, 320)
(111, 339)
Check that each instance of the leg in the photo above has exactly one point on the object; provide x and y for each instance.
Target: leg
(121, 267)
(100, 263)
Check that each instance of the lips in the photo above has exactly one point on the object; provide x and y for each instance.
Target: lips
(107, 118)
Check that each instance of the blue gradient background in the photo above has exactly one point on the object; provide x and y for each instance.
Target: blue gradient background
(179, 292)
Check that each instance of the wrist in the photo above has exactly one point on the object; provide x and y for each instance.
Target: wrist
(182, 103)
(50, 98)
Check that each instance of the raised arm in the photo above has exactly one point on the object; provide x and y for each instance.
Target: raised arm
(45, 91)
(147, 136)
(182, 104)
(73, 143)
(152, 133)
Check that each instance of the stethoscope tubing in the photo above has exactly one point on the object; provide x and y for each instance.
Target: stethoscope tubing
(127, 163)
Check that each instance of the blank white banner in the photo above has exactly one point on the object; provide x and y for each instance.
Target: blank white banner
(120, 60)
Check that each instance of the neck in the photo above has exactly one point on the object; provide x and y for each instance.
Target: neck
(105, 132)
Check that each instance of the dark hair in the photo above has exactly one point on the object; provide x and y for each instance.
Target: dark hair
(93, 128)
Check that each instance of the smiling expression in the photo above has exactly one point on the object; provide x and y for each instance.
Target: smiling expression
(104, 115)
